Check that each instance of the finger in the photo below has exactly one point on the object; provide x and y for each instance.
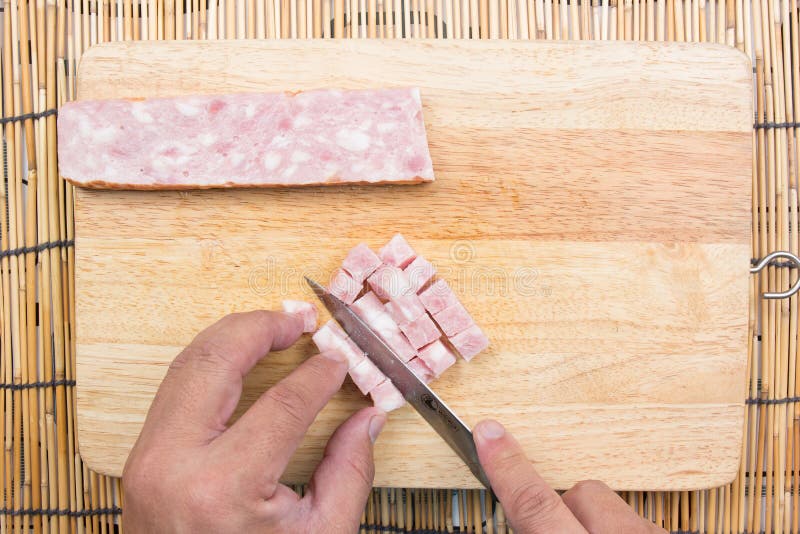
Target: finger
(267, 434)
(203, 384)
(531, 505)
(341, 484)
(601, 511)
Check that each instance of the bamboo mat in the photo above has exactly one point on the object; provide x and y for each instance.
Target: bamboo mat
(46, 485)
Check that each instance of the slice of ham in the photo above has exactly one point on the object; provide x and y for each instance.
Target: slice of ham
(306, 310)
(245, 140)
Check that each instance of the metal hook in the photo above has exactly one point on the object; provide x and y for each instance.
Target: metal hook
(769, 258)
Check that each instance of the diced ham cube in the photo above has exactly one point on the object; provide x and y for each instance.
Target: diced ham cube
(419, 272)
(437, 357)
(366, 376)
(387, 397)
(344, 287)
(453, 319)
(405, 308)
(330, 336)
(368, 306)
(389, 282)
(397, 252)
(306, 310)
(421, 331)
(361, 262)
(419, 368)
(400, 345)
(438, 297)
(470, 342)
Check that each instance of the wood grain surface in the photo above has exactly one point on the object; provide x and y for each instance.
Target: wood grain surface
(591, 208)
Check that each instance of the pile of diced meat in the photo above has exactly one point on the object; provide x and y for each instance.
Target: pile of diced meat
(396, 293)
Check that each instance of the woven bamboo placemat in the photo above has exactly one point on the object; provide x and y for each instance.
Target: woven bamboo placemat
(47, 487)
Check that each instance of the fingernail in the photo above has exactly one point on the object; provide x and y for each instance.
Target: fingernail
(490, 429)
(376, 425)
(334, 355)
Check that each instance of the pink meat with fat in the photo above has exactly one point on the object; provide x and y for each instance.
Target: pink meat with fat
(366, 376)
(343, 287)
(438, 296)
(419, 368)
(453, 319)
(421, 331)
(470, 342)
(389, 282)
(330, 336)
(372, 312)
(419, 272)
(325, 136)
(361, 262)
(405, 308)
(397, 252)
(387, 397)
(437, 357)
(306, 310)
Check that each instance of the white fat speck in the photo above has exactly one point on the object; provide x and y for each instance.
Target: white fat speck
(352, 140)
(187, 109)
(415, 95)
(386, 127)
(206, 139)
(104, 134)
(301, 121)
(290, 170)
(272, 160)
(236, 158)
(358, 168)
(298, 156)
(161, 164)
(250, 111)
(139, 113)
(279, 141)
(321, 139)
(365, 125)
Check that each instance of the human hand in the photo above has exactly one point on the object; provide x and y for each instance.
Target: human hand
(533, 507)
(190, 472)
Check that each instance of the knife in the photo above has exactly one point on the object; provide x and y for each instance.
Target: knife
(446, 423)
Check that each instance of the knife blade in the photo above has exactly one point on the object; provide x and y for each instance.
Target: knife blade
(433, 409)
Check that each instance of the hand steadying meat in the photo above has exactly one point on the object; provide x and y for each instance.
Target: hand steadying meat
(190, 472)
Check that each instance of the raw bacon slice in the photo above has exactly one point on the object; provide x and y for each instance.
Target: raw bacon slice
(306, 310)
(470, 342)
(387, 397)
(245, 140)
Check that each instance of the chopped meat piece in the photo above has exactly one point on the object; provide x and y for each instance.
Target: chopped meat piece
(405, 308)
(421, 331)
(330, 336)
(419, 272)
(372, 312)
(453, 319)
(389, 282)
(369, 305)
(246, 140)
(344, 287)
(470, 342)
(361, 262)
(366, 376)
(421, 369)
(397, 252)
(304, 309)
(437, 357)
(438, 297)
(387, 397)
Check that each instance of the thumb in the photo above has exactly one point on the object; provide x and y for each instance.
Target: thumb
(531, 505)
(340, 486)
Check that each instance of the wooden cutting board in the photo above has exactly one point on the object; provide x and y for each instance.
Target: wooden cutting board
(591, 206)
